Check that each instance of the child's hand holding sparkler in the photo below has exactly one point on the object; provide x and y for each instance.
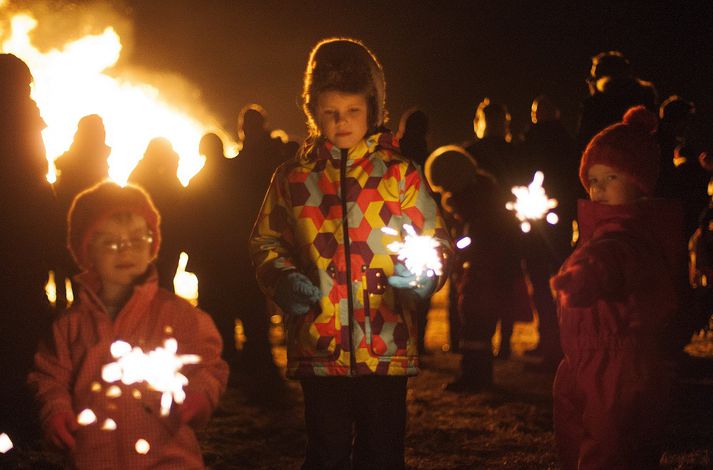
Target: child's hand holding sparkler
(60, 429)
(422, 262)
(422, 286)
(195, 409)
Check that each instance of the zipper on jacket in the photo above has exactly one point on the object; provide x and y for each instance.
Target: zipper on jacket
(347, 254)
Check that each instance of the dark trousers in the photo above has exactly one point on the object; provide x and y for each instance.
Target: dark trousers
(356, 422)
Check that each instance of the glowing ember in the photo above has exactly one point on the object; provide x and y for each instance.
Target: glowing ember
(86, 417)
(158, 368)
(185, 284)
(5, 443)
(68, 292)
(113, 392)
(532, 203)
(418, 252)
(463, 243)
(108, 425)
(51, 289)
(72, 82)
(142, 447)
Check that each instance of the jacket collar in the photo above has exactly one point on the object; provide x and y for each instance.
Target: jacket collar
(90, 285)
(379, 141)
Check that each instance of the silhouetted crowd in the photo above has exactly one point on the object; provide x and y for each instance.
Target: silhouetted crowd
(502, 277)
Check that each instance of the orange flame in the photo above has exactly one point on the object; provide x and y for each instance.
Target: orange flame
(72, 82)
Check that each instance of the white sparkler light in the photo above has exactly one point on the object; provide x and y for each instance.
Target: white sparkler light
(86, 417)
(5, 443)
(418, 252)
(532, 203)
(158, 368)
(109, 425)
(142, 446)
(463, 243)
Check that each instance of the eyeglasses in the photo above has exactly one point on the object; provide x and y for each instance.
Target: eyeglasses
(135, 244)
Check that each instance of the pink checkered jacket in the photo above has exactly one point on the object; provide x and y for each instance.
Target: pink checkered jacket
(68, 367)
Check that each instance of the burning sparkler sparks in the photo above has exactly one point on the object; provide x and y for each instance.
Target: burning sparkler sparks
(5, 443)
(463, 243)
(418, 252)
(142, 446)
(532, 203)
(86, 417)
(158, 368)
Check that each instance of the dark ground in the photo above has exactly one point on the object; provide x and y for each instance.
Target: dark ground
(507, 428)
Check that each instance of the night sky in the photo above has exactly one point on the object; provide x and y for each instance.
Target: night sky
(443, 57)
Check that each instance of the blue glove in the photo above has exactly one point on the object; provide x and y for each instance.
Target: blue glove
(422, 286)
(295, 293)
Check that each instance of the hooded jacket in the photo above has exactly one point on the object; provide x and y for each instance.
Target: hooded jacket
(323, 216)
(622, 280)
(68, 376)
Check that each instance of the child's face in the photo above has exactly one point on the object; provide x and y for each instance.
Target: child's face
(608, 185)
(342, 117)
(120, 251)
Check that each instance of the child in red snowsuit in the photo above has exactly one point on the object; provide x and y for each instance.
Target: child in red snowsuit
(114, 236)
(616, 294)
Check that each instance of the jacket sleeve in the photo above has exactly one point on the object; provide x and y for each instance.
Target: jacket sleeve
(605, 269)
(51, 377)
(418, 205)
(272, 239)
(210, 375)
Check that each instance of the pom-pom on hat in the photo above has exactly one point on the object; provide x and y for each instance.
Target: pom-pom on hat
(100, 202)
(348, 66)
(629, 146)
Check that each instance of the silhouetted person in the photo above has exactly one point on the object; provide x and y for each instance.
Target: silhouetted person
(613, 89)
(682, 176)
(413, 136)
(85, 163)
(495, 154)
(259, 157)
(82, 166)
(491, 285)
(547, 147)
(156, 172)
(213, 251)
(413, 142)
(30, 241)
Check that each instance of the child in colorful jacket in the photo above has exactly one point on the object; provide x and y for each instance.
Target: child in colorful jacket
(616, 295)
(321, 255)
(114, 237)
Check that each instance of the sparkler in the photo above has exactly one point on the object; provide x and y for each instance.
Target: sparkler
(5, 443)
(532, 203)
(463, 243)
(418, 252)
(158, 368)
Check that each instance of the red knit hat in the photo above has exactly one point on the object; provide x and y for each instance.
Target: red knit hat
(98, 203)
(629, 146)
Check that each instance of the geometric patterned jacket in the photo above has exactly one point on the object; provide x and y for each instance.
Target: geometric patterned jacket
(323, 215)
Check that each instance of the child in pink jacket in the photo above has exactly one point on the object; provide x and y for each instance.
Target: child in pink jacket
(114, 237)
(616, 295)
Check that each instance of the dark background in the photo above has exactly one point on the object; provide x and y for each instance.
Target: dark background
(441, 56)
